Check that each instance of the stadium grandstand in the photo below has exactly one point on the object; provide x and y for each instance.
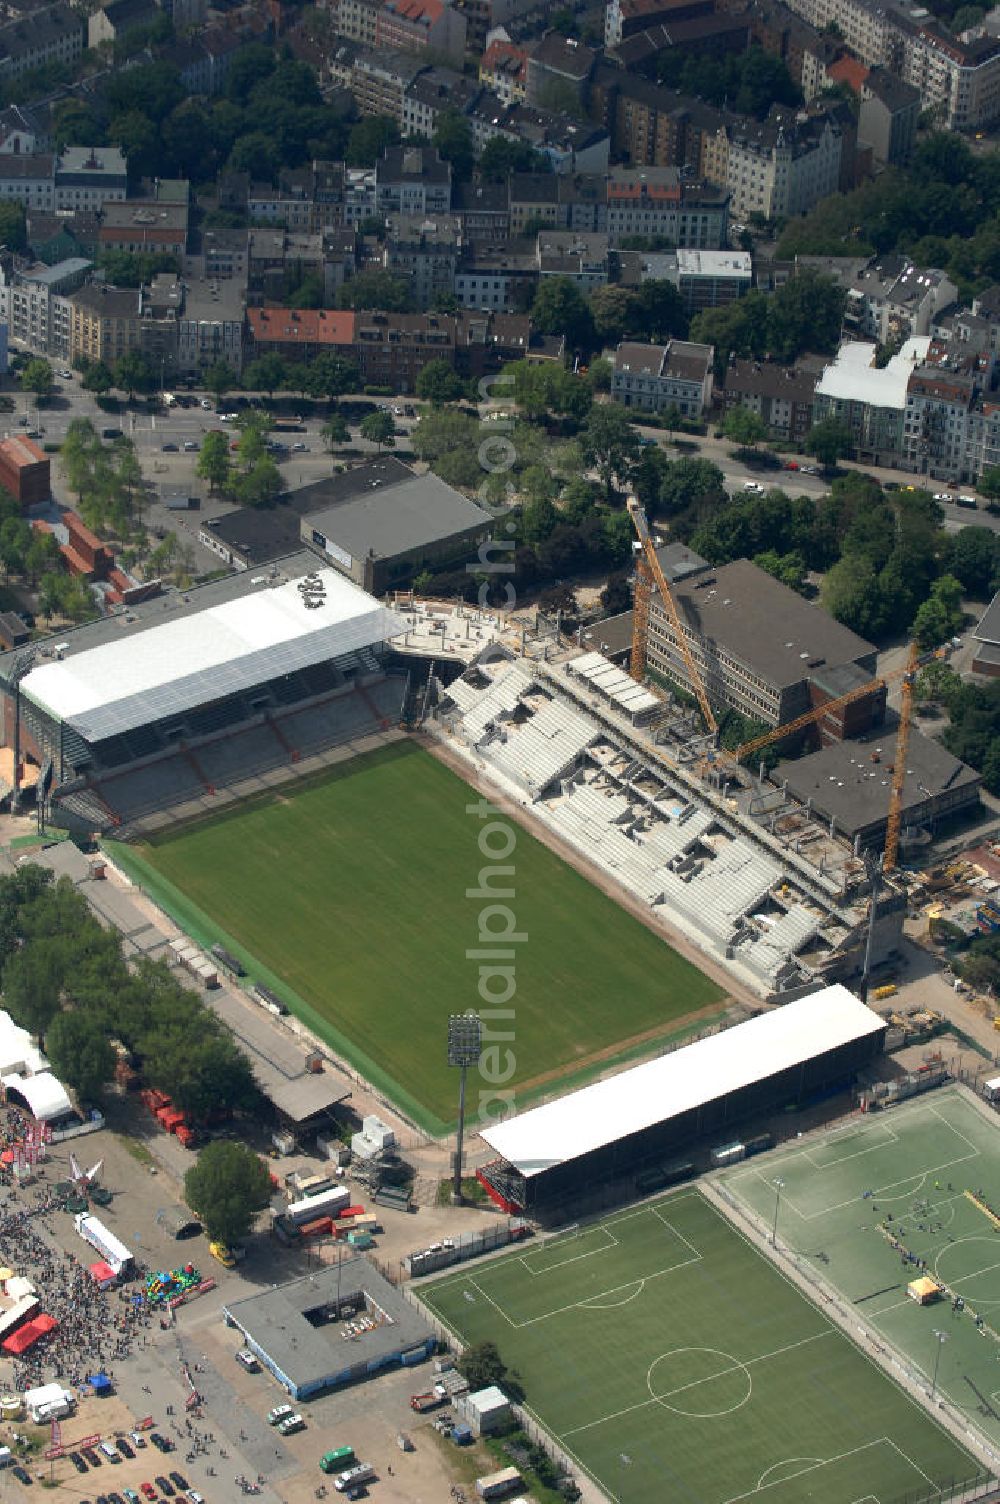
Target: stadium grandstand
(192, 691)
(697, 1095)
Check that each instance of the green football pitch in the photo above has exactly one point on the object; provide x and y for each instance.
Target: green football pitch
(348, 897)
(672, 1361)
(904, 1175)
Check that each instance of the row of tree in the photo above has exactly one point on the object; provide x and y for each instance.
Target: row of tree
(66, 981)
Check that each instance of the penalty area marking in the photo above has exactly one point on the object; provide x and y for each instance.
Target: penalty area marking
(828, 1462)
(611, 1305)
(809, 1461)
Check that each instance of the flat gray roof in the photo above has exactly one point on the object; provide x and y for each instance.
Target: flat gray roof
(767, 626)
(846, 785)
(308, 1355)
(382, 509)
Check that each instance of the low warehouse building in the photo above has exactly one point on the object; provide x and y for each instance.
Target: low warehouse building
(380, 524)
(659, 1109)
(300, 1330)
(848, 784)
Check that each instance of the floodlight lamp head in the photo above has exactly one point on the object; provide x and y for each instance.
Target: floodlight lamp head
(465, 1038)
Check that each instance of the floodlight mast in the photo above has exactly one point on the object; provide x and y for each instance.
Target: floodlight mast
(465, 1045)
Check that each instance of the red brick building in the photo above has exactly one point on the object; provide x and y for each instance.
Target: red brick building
(24, 471)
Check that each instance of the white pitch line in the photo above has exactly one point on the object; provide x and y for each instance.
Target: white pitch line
(840, 1457)
(907, 1458)
(694, 1384)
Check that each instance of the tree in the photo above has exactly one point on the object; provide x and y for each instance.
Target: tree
(369, 138)
(97, 378)
(268, 373)
(32, 986)
(376, 289)
(940, 615)
(378, 428)
(227, 1187)
(975, 560)
(500, 157)
(37, 377)
(335, 431)
(219, 379)
(829, 440)
(82, 1056)
(213, 461)
(744, 427)
(989, 483)
(259, 486)
(453, 139)
(13, 233)
(616, 596)
(559, 307)
(610, 443)
(439, 383)
(133, 373)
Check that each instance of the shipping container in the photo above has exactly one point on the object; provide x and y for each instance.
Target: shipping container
(499, 1485)
(324, 1205)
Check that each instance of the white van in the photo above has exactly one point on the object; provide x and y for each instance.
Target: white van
(110, 1452)
(363, 1472)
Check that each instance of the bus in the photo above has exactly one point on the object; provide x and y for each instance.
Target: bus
(337, 1460)
(288, 425)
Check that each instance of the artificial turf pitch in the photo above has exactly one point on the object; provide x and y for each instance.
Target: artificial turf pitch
(917, 1162)
(672, 1361)
(348, 896)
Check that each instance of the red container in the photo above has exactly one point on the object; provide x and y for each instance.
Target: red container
(318, 1228)
(351, 1211)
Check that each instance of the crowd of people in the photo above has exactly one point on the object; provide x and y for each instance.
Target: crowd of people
(96, 1327)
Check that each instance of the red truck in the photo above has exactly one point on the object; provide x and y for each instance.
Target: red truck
(423, 1402)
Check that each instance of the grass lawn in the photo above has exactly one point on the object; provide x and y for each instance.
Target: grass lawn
(919, 1162)
(674, 1362)
(348, 895)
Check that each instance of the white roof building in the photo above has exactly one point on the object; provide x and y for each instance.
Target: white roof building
(25, 1070)
(658, 1090)
(854, 377)
(174, 666)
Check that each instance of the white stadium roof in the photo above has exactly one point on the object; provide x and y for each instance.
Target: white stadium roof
(176, 665)
(660, 1089)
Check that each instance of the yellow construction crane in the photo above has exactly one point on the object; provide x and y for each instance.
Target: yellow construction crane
(899, 766)
(640, 619)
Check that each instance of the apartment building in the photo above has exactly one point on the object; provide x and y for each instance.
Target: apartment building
(653, 378)
(421, 26)
(892, 299)
(503, 69)
(887, 120)
(34, 302)
(704, 279)
(782, 396)
(299, 334)
(660, 203)
(424, 253)
(559, 69)
(484, 210)
(87, 177)
(651, 125)
(357, 20)
(582, 258)
(29, 180)
(290, 204)
(144, 225)
(379, 81)
(210, 325)
(392, 348)
(960, 80)
(560, 201)
(624, 18)
(433, 91)
(780, 166)
(497, 278)
(53, 35)
(104, 322)
(23, 132)
(412, 180)
(870, 402)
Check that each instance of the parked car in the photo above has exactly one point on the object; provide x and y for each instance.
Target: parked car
(189, 446)
(125, 1448)
(21, 1475)
(91, 1456)
(179, 1481)
(78, 1462)
(147, 1490)
(248, 1360)
(161, 1443)
(279, 1413)
(206, 404)
(169, 448)
(969, 502)
(290, 1425)
(165, 1486)
(131, 1495)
